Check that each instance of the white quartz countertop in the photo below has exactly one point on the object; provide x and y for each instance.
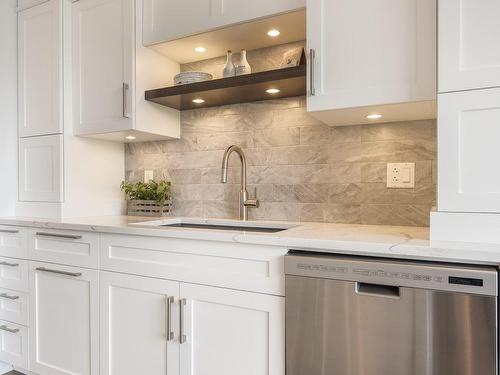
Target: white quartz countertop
(355, 239)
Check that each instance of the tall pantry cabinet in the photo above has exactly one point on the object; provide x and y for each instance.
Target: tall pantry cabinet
(468, 122)
(60, 175)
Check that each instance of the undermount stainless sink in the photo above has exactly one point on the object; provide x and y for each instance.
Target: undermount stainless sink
(227, 225)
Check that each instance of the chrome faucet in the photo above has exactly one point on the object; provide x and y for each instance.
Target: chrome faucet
(245, 202)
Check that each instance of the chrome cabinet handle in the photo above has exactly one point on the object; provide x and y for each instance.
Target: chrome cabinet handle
(9, 264)
(65, 273)
(312, 61)
(182, 334)
(124, 98)
(5, 295)
(9, 231)
(11, 330)
(66, 236)
(170, 332)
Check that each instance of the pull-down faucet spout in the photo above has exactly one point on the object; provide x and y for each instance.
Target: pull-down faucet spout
(245, 202)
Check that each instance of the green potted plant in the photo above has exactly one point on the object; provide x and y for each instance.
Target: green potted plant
(148, 198)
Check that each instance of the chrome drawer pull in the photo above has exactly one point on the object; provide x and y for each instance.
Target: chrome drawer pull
(9, 264)
(170, 332)
(9, 231)
(65, 273)
(182, 335)
(11, 330)
(5, 295)
(66, 236)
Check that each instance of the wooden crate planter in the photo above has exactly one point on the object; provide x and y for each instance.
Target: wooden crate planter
(148, 208)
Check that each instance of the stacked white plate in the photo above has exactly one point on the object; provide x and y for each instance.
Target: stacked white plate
(191, 77)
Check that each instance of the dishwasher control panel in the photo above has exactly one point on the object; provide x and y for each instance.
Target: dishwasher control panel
(427, 275)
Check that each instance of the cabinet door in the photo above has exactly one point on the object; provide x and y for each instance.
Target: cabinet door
(64, 322)
(370, 53)
(227, 332)
(102, 65)
(469, 44)
(40, 169)
(14, 344)
(172, 19)
(40, 72)
(468, 134)
(139, 325)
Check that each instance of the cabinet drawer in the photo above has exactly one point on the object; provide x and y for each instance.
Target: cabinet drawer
(255, 268)
(13, 241)
(64, 247)
(14, 274)
(14, 306)
(14, 344)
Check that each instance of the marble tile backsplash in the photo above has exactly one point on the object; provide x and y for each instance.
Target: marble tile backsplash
(301, 169)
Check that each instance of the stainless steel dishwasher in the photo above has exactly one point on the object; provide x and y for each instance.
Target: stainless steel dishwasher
(365, 316)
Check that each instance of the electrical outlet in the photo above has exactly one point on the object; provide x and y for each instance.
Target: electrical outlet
(148, 176)
(401, 175)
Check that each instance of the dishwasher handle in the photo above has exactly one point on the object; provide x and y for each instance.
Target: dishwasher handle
(377, 290)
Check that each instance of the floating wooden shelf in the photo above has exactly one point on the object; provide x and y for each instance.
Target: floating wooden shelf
(232, 90)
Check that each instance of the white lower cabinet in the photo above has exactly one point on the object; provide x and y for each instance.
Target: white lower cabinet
(153, 326)
(139, 325)
(231, 332)
(14, 344)
(64, 323)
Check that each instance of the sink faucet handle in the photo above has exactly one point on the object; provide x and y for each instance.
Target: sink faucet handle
(252, 202)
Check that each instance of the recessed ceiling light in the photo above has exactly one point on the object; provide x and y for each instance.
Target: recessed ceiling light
(130, 137)
(272, 91)
(273, 33)
(200, 49)
(374, 116)
(198, 101)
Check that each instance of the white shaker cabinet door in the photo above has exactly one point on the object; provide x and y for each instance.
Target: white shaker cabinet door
(468, 135)
(64, 325)
(40, 71)
(172, 19)
(367, 55)
(103, 53)
(469, 44)
(227, 332)
(139, 325)
(41, 169)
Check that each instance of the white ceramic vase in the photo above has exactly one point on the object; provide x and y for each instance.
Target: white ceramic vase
(229, 69)
(243, 66)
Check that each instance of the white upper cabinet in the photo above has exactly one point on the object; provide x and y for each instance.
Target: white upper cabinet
(171, 19)
(226, 331)
(371, 57)
(102, 65)
(41, 169)
(469, 44)
(40, 69)
(111, 71)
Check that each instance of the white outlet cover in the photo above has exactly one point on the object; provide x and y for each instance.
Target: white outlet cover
(148, 176)
(401, 175)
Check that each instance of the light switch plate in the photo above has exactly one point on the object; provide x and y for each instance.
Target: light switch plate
(148, 176)
(401, 175)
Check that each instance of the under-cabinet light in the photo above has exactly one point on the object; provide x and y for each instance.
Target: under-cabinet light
(200, 49)
(374, 116)
(273, 33)
(198, 101)
(272, 91)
